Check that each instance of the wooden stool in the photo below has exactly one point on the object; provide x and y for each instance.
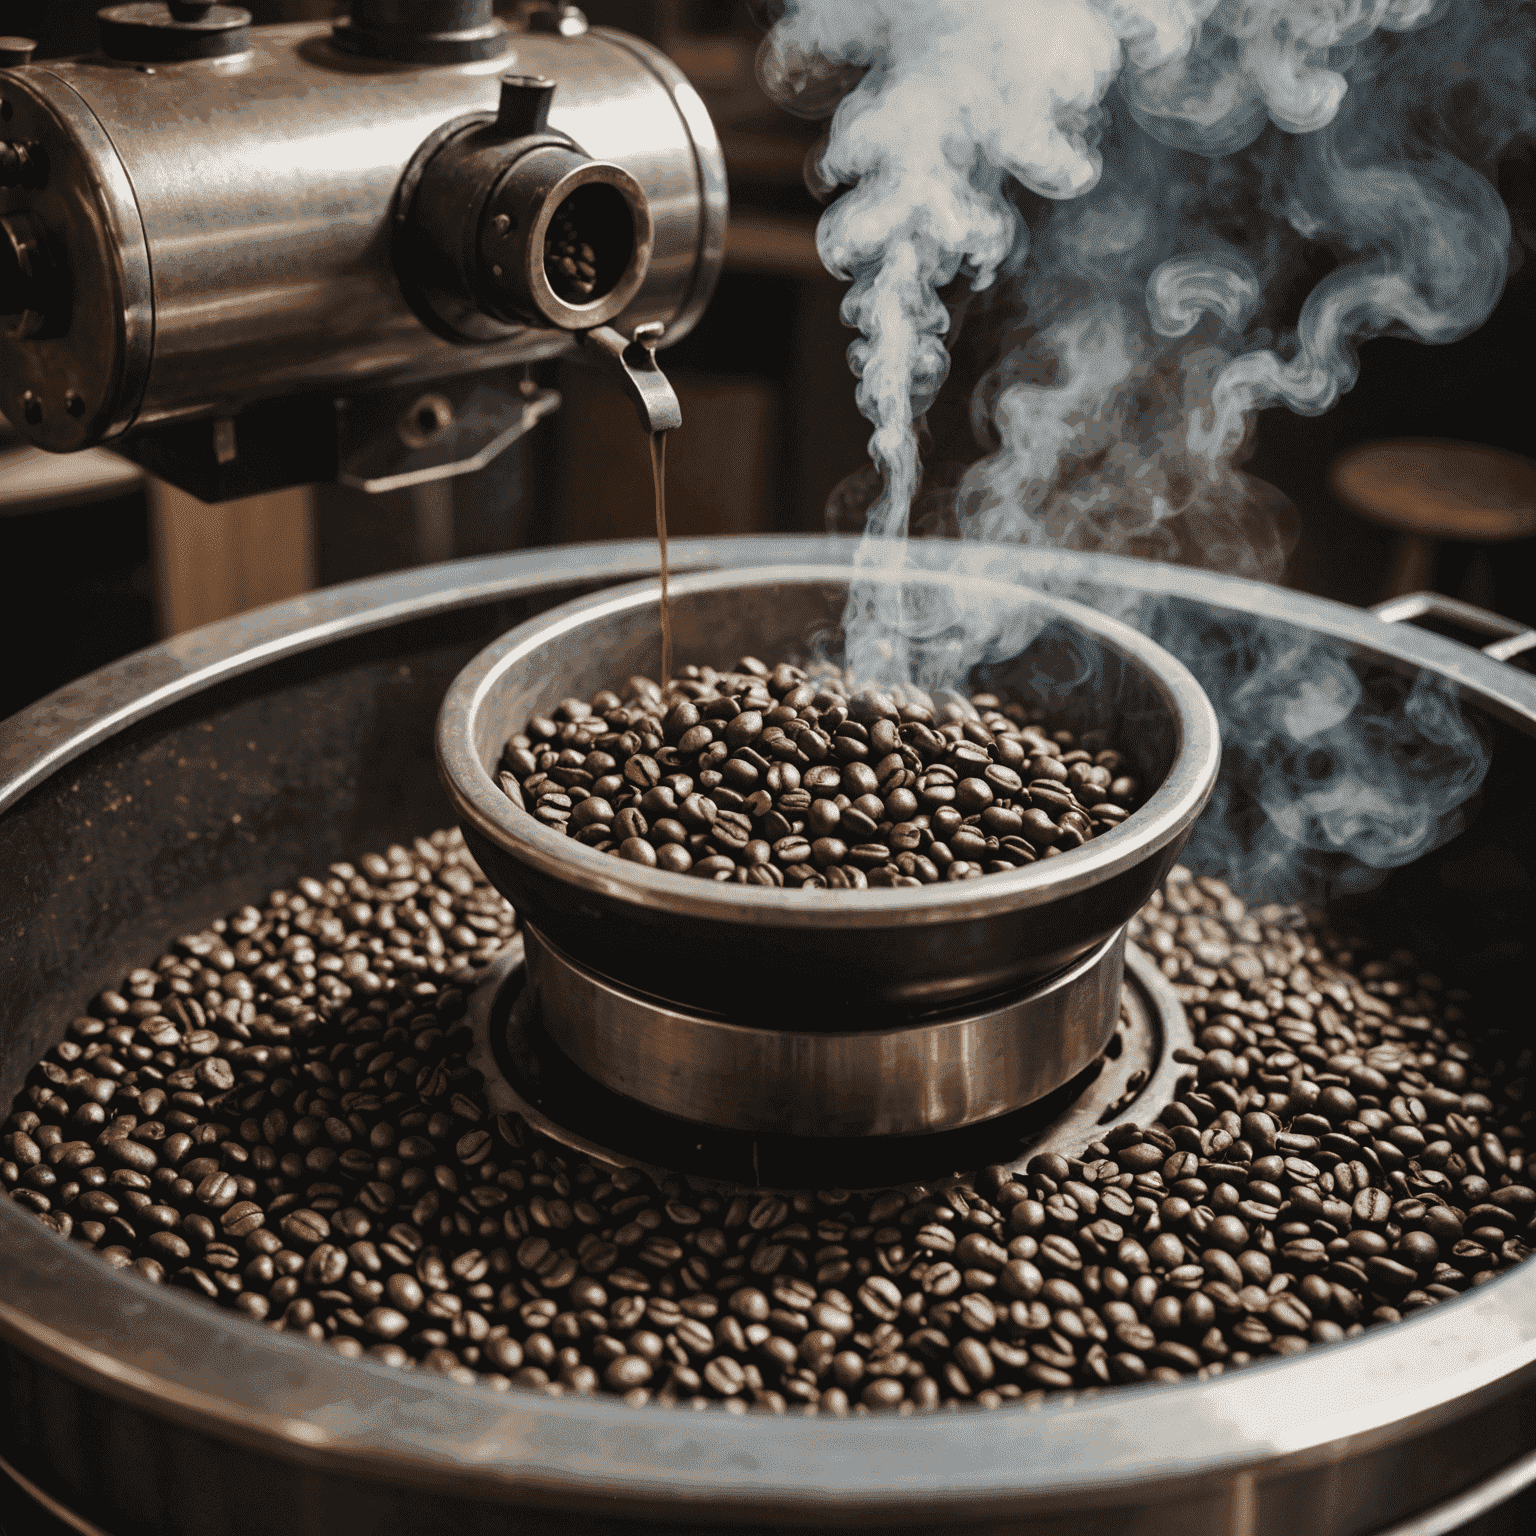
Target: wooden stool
(1430, 491)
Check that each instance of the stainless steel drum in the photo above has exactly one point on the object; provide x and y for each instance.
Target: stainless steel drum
(203, 772)
(206, 251)
(525, 1074)
(932, 1074)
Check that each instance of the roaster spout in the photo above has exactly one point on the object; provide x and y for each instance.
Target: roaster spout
(635, 358)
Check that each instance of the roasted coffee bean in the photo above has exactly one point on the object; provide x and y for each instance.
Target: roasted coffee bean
(306, 1228)
(630, 824)
(217, 1191)
(1263, 1211)
(807, 781)
(638, 851)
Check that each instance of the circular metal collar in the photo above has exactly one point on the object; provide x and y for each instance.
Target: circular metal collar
(156, 33)
(434, 32)
(934, 1075)
(603, 308)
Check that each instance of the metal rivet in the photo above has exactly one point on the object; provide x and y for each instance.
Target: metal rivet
(429, 416)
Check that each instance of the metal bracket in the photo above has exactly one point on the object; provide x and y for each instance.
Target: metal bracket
(384, 440)
(394, 438)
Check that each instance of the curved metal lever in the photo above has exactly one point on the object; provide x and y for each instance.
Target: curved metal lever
(644, 381)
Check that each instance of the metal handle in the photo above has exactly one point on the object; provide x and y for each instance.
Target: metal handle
(1511, 638)
(1457, 1513)
(62, 1513)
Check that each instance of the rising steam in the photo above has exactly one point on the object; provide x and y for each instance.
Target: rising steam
(1174, 213)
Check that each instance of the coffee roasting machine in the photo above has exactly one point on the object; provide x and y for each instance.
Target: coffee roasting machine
(252, 257)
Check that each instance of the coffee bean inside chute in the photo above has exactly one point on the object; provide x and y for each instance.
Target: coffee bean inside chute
(570, 263)
(775, 777)
(1345, 1150)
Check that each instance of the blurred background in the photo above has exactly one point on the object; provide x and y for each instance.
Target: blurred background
(96, 561)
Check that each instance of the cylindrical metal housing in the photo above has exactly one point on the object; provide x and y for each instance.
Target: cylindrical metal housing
(223, 226)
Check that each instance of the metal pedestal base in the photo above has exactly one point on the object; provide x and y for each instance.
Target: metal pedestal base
(938, 1073)
(526, 1074)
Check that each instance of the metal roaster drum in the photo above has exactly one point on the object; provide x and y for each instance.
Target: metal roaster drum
(251, 257)
(205, 772)
(869, 1012)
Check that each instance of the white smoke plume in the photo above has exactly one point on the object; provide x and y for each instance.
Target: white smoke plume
(957, 98)
(1333, 773)
(1175, 212)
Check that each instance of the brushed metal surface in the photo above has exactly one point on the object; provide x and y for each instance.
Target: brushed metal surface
(714, 195)
(114, 1393)
(99, 347)
(916, 1078)
(510, 1049)
(264, 184)
(822, 953)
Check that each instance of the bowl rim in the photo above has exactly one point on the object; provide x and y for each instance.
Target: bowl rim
(1165, 816)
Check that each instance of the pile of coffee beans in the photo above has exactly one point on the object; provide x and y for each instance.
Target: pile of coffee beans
(776, 778)
(278, 1115)
(570, 263)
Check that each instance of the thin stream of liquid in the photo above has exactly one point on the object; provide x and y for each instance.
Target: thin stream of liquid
(659, 478)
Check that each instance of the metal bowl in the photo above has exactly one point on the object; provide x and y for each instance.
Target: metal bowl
(201, 773)
(827, 959)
